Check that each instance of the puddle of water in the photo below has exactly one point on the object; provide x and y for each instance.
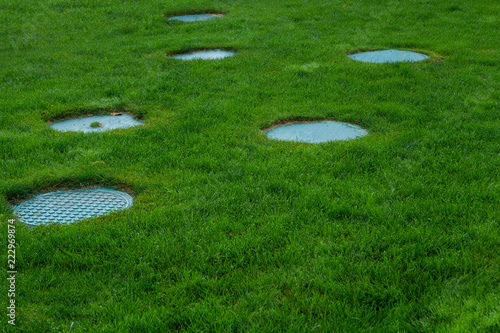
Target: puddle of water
(192, 18)
(385, 56)
(316, 132)
(205, 55)
(83, 124)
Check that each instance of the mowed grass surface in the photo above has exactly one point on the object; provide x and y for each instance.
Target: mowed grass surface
(231, 231)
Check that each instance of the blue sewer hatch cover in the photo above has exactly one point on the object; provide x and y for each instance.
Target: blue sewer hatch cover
(71, 206)
(192, 18)
(317, 132)
(205, 55)
(385, 56)
(83, 124)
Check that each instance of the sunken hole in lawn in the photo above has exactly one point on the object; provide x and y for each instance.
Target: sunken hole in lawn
(315, 132)
(386, 56)
(71, 205)
(204, 55)
(194, 17)
(95, 123)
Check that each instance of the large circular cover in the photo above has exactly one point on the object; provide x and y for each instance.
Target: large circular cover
(72, 205)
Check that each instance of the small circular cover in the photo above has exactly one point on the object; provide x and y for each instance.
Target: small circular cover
(205, 55)
(317, 132)
(71, 206)
(385, 56)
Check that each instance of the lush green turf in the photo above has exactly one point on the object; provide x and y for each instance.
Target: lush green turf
(394, 232)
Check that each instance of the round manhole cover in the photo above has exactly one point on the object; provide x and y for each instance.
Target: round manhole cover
(205, 55)
(95, 123)
(385, 56)
(192, 18)
(316, 132)
(71, 206)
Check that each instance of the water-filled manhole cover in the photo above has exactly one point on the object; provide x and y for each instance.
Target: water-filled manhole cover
(384, 56)
(205, 55)
(92, 124)
(316, 132)
(70, 206)
(192, 18)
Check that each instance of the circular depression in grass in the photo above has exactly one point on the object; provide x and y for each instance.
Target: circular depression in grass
(192, 18)
(385, 56)
(205, 55)
(71, 205)
(93, 124)
(316, 132)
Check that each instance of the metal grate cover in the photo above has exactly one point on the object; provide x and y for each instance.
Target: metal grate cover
(317, 132)
(192, 18)
(385, 56)
(205, 55)
(83, 124)
(71, 206)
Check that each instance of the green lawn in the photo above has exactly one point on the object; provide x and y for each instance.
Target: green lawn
(397, 231)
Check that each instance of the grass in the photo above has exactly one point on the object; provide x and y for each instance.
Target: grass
(230, 231)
